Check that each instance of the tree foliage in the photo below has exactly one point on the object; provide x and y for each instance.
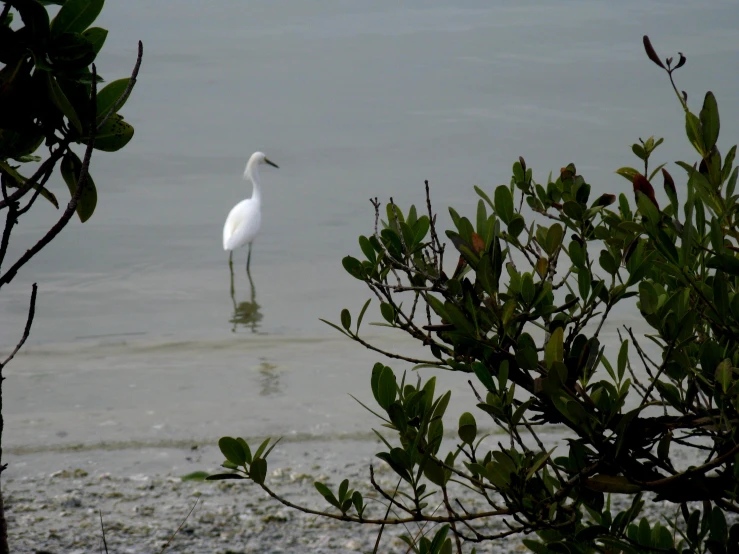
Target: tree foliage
(540, 268)
(49, 98)
(45, 90)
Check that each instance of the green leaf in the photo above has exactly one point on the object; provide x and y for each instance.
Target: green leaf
(96, 37)
(261, 448)
(628, 173)
(717, 236)
(623, 358)
(694, 132)
(75, 16)
(224, 476)
(709, 121)
(353, 267)
(71, 167)
(648, 297)
(195, 476)
(717, 526)
(358, 502)
(326, 493)
(639, 151)
(114, 135)
(387, 388)
(438, 541)
(647, 209)
(21, 180)
(607, 262)
(554, 238)
(245, 448)
(577, 254)
(109, 95)
(484, 196)
(232, 450)
(60, 100)
(644, 535)
(663, 448)
(388, 312)
(343, 488)
(573, 210)
(555, 348)
(528, 289)
(504, 203)
(725, 262)
(346, 319)
(361, 313)
(539, 461)
(467, 428)
(517, 225)
(724, 374)
(458, 318)
(583, 283)
(420, 229)
(258, 470)
(483, 374)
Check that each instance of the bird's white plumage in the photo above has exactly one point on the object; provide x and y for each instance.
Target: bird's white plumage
(242, 224)
(245, 218)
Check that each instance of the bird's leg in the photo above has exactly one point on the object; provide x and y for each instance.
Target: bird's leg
(231, 268)
(248, 274)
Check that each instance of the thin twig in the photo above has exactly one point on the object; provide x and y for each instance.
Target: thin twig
(102, 529)
(126, 93)
(392, 521)
(37, 192)
(452, 515)
(387, 513)
(180, 527)
(386, 496)
(26, 331)
(47, 164)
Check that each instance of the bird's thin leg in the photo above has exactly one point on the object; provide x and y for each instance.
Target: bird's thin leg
(248, 274)
(231, 268)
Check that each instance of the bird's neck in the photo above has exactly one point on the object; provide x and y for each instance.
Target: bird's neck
(252, 174)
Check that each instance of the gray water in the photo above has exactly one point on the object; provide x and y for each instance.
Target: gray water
(134, 339)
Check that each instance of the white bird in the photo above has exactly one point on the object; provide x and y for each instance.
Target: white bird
(245, 218)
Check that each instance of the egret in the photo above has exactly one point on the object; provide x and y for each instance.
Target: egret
(244, 219)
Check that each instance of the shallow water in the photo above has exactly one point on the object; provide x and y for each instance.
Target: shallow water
(136, 336)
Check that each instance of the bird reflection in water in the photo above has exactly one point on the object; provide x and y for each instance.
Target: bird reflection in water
(269, 379)
(247, 313)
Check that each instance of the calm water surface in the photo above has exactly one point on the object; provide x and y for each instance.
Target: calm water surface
(137, 338)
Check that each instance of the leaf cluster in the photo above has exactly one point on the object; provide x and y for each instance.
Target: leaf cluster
(538, 269)
(45, 88)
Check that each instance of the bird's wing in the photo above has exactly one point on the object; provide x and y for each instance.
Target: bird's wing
(242, 225)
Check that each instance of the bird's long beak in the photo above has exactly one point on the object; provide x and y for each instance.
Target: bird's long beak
(273, 164)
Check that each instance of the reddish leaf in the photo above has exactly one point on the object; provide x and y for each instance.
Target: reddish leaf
(605, 200)
(642, 185)
(630, 249)
(567, 172)
(477, 243)
(651, 53)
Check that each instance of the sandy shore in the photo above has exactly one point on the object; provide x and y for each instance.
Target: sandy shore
(54, 500)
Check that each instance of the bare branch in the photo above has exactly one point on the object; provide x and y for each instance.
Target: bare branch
(26, 331)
